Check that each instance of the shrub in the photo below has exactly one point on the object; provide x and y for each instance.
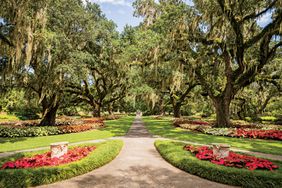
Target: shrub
(29, 128)
(179, 121)
(104, 153)
(268, 118)
(112, 117)
(28, 131)
(219, 131)
(74, 128)
(173, 152)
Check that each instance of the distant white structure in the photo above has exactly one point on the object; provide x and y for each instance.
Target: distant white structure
(139, 113)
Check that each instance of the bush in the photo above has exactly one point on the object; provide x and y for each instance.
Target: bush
(179, 121)
(112, 117)
(8, 117)
(27, 131)
(268, 118)
(30, 128)
(219, 131)
(173, 152)
(104, 153)
(74, 129)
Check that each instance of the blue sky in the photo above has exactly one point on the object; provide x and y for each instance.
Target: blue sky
(121, 12)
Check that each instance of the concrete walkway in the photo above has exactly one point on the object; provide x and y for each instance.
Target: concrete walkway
(138, 165)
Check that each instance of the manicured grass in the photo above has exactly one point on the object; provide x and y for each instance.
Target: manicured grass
(7, 117)
(268, 118)
(113, 128)
(173, 152)
(104, 153)
(165, 129)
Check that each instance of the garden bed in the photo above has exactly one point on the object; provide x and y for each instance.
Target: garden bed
(31, 128)
(104, 153)
(238, 129)
(173, 152)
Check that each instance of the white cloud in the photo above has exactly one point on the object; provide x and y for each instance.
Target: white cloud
(113, 2)
(120, 11)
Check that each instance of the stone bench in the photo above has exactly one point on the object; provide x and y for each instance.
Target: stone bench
(58, 149)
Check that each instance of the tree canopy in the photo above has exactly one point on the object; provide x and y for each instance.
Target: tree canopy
(205, 56)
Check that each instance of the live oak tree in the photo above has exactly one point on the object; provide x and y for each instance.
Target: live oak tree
(52, 54)
(19, 19)
(253, 100)
(48, 34)
(166, 20)
(230, 48)
(100, 78)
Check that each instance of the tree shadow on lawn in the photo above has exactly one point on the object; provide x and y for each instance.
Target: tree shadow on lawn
(4, 140)
(164, 129)
(141, 176)
(117, 127)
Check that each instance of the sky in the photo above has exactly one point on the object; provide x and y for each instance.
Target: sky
(121, 12)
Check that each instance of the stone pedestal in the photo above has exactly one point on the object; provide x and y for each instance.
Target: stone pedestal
(58, 149)
(220, 150)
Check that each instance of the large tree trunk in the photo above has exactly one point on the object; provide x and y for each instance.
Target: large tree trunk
(49, 116)
(110, 109)
(49, 111)
(161, 107)
(97, 110)
(222, 105)
(176, 110)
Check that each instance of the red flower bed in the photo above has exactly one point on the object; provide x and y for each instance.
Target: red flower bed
(233, 160)
(45, 159)
(263, 134)
(74, 128)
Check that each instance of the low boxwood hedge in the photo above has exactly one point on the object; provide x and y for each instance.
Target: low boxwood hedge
(173, 153)
(105, 152)
(13, 132)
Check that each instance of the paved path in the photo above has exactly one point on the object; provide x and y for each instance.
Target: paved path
(138, 165)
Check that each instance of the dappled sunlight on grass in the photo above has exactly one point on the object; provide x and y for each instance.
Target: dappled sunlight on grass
(164, 128)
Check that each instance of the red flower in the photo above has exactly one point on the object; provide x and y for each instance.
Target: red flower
(46, 160)
(233, 160)
(263, 134)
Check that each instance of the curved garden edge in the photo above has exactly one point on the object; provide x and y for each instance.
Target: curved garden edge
(105, 152)
(173, 153)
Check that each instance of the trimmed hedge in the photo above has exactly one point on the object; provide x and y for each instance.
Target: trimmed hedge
(173, 153)
(13, 132)
(10, 178)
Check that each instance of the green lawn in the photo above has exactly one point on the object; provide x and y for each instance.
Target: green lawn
(113, 128)
(164, 128)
